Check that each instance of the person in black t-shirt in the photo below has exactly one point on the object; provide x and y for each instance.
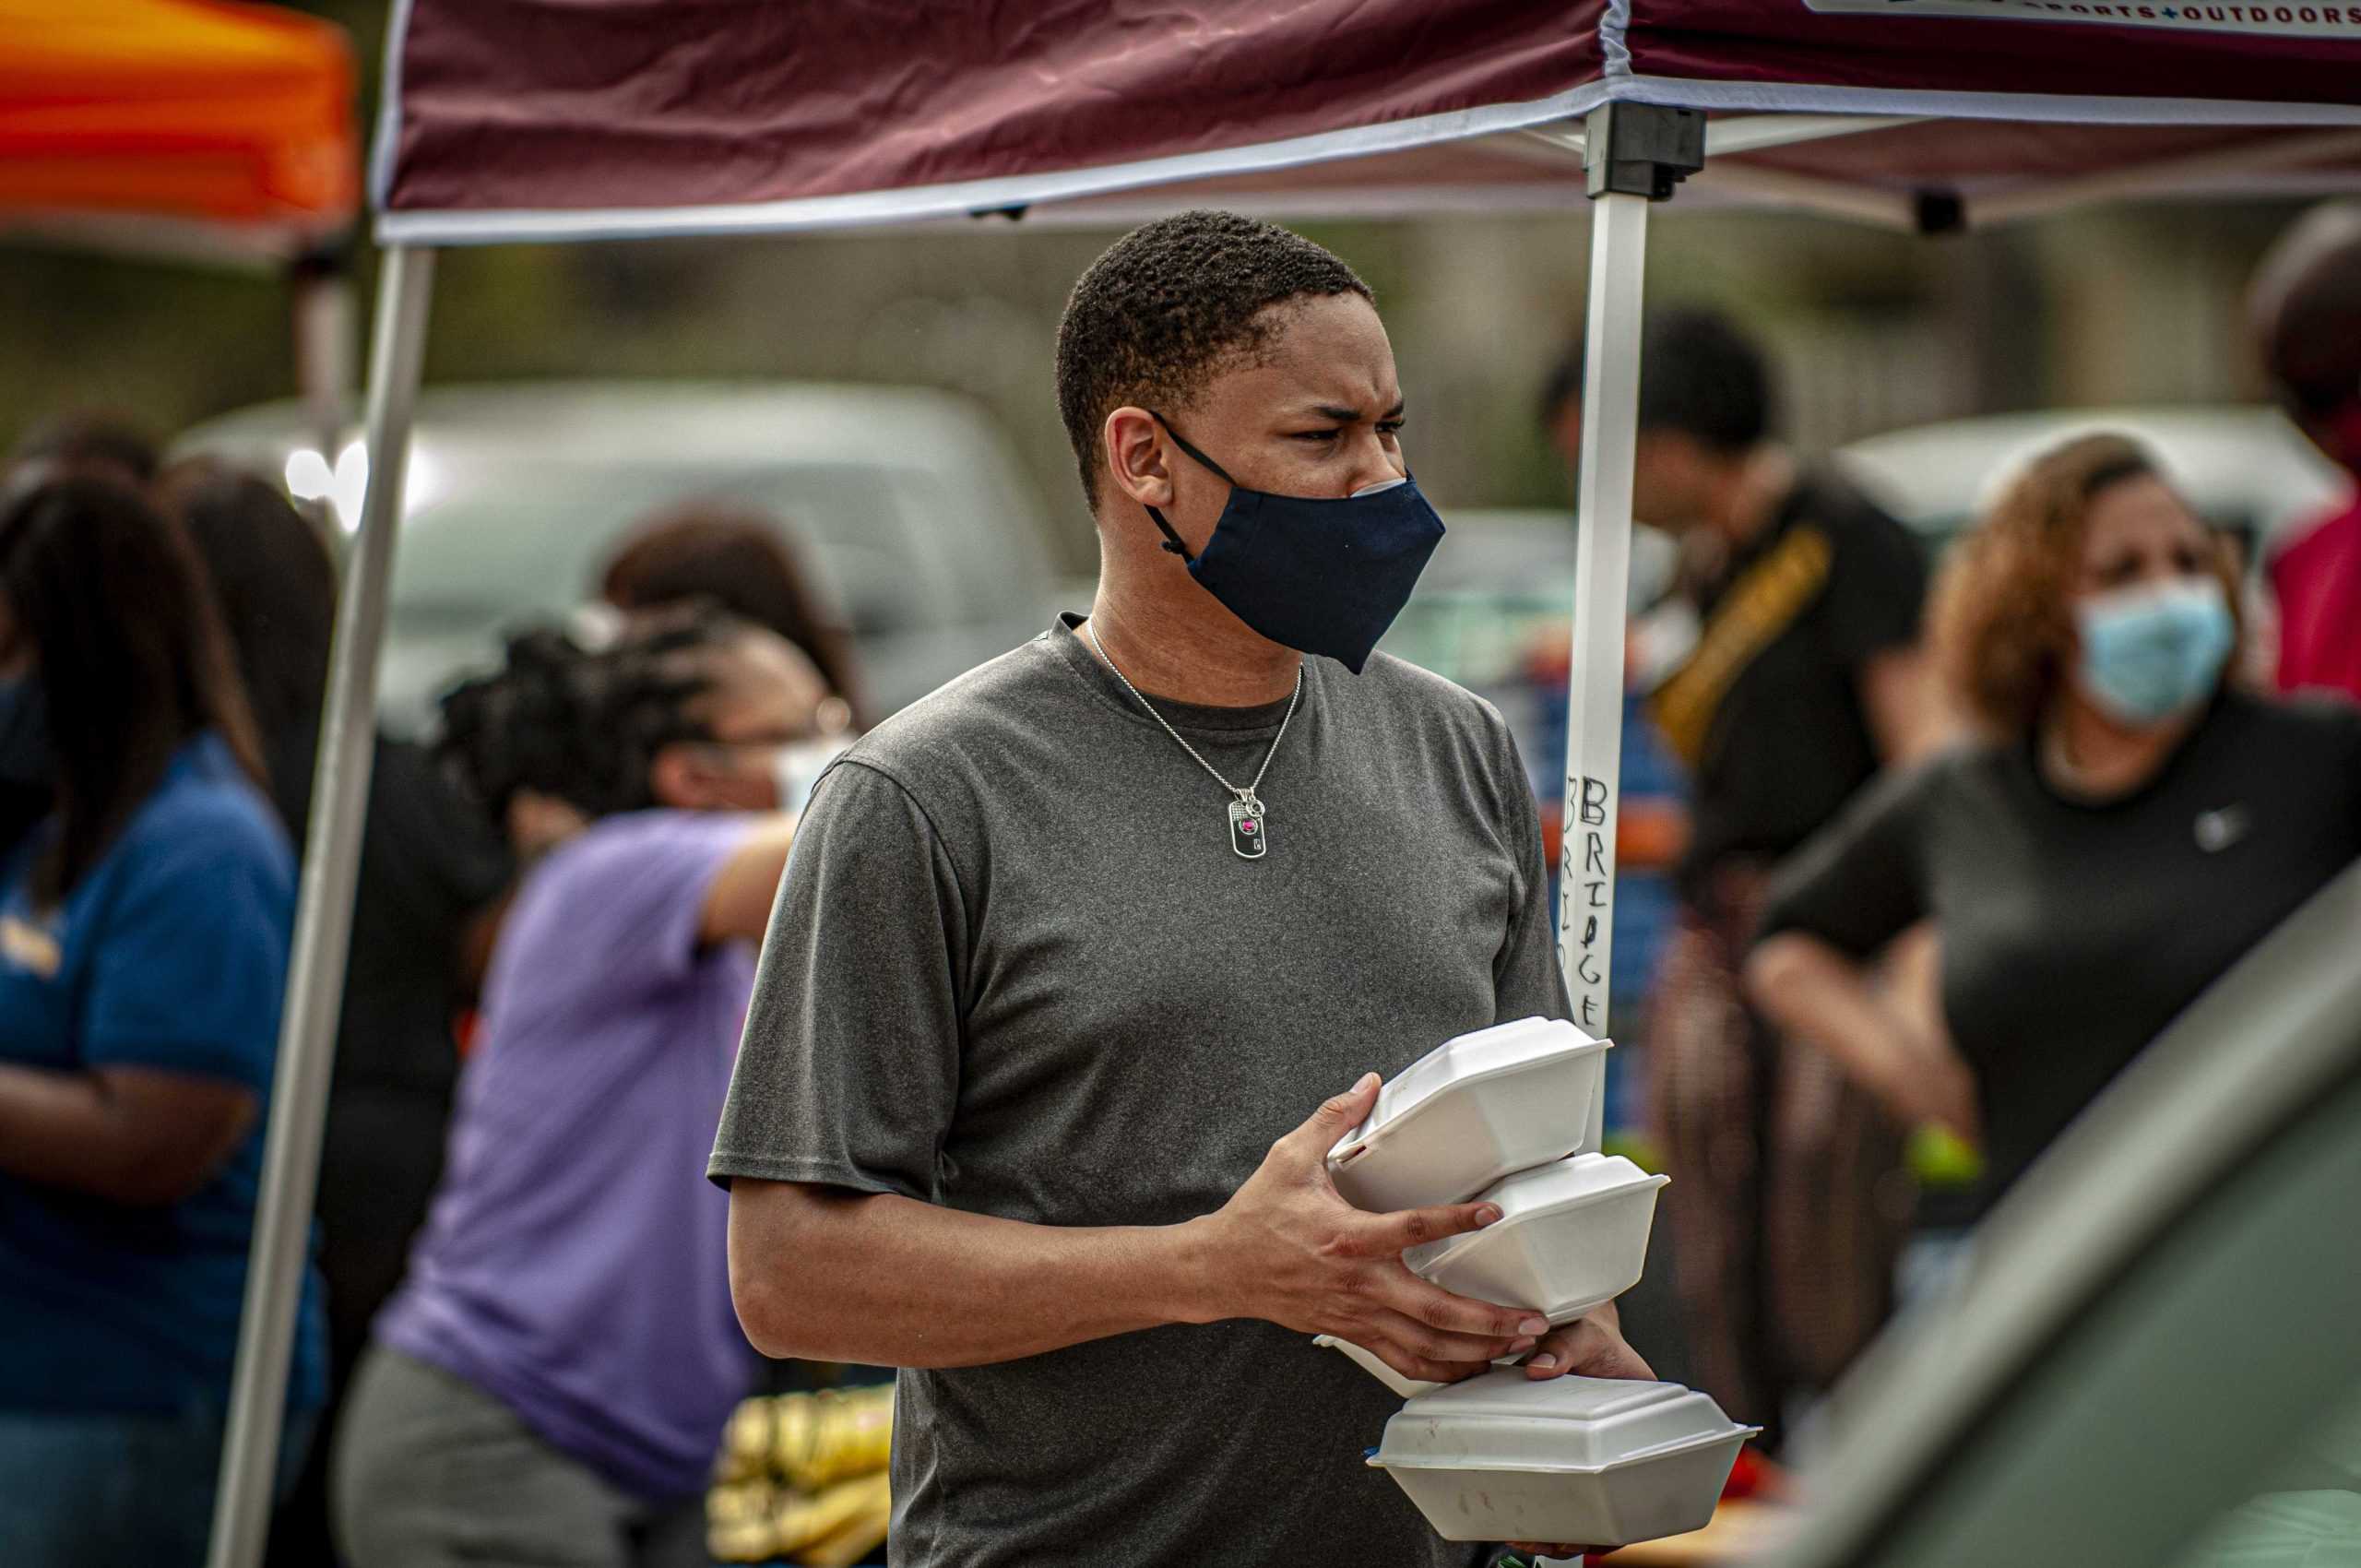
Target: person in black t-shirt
(433, 875)
(2132, 826)
(1805, 676)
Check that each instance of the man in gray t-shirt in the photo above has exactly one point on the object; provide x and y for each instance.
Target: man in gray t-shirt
(1067, 952)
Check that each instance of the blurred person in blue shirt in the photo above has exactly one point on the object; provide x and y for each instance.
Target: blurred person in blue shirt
(143, 950)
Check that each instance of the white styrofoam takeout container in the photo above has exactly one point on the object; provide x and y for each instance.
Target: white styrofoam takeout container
(1368, 1362)
(1470, 1111)
(1594, 1461)
(1571, 1236)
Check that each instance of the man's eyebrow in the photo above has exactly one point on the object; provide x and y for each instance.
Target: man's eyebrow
(1345, 415)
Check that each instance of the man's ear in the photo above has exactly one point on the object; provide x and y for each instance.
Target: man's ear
(1134, 447)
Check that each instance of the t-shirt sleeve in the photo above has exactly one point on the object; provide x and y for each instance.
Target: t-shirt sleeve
(1855, 885)
(189, 963)
(619, 914)
(849, 1073)
(1526, 982)
(1877, 586)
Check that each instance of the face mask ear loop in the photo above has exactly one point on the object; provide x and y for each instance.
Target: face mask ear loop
(1182, 442)
(1172, 541)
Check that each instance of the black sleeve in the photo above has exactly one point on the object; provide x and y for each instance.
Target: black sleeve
(1856, 884)
(452, 857)
(1877, 585)
(2345, 720)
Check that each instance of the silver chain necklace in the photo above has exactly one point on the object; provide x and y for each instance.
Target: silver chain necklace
(1249, 832)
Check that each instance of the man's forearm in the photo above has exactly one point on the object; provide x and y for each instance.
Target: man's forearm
(820, 1271)
(828, 1274)
(1812, 992)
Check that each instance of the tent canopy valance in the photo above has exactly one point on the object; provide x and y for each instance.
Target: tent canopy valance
(513, 120)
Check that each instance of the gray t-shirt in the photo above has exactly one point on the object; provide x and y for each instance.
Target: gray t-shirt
(1017, 969)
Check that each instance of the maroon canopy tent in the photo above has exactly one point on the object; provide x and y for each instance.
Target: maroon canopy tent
(518, 120)
(536, 120)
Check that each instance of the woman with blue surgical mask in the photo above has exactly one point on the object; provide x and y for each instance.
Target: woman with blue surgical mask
(2129, 823)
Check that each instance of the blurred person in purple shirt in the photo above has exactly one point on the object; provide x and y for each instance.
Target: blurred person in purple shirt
(550, 1380)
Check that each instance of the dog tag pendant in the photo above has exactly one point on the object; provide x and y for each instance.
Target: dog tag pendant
(1249, 832)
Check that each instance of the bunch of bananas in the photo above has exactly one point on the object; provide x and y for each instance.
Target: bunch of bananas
(802, 1476)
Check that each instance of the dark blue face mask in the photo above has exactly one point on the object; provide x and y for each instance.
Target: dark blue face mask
(25, 757)
(1323, 576)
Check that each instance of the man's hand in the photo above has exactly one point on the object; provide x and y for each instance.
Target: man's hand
(1590, 1347)
(1286, 1248)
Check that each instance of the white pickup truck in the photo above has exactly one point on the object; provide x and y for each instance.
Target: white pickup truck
(905, 504)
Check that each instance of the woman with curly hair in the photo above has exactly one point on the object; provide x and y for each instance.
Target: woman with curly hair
(550, 1380)
(2128, 827)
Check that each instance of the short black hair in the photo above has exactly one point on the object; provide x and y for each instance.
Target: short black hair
(1170, 304)
(1699, 374)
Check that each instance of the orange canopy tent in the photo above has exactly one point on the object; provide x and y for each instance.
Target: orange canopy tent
(181, 126)
(190, 129)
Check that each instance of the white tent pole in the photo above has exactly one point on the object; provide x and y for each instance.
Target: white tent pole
(322, 287)
(1619, 250)
(323, 933)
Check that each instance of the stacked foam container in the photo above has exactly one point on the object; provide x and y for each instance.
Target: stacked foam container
(1501, 1115)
